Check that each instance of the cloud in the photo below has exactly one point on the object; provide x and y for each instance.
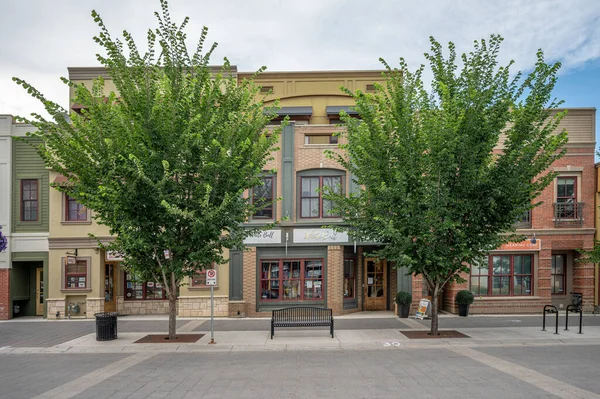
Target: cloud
(40, 39)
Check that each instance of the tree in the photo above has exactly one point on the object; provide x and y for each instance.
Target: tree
(433, 188)
(165, 162)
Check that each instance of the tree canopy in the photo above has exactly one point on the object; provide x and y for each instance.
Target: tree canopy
(444, 173)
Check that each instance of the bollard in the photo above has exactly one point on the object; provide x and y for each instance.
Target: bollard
(549, 309)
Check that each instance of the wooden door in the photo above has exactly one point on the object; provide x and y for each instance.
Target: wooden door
(39, 291)
(375, 284)
(110, 301)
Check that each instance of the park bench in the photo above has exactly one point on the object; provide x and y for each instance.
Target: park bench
(302, 316)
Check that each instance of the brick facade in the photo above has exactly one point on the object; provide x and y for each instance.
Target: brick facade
(4, 294)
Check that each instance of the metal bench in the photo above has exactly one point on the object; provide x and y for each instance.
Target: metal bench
(302, 316)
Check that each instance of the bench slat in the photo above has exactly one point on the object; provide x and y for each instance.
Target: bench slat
(302, 316)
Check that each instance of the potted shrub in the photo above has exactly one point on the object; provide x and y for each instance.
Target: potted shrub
(464, 298)
(403, 302)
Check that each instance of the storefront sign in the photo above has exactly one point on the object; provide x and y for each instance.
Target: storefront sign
(422, 309)
(521, 246)
(318, 236)
(114, 255)
(265, 237)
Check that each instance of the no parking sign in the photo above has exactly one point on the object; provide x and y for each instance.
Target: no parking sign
(211, 277)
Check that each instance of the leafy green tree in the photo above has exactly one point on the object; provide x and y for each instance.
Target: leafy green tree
(433, 187)
(165, 161)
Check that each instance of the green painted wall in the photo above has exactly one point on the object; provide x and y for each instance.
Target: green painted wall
(27, 164)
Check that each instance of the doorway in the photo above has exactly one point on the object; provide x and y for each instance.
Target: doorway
(375, 284)
(110, 302)
(39, 291)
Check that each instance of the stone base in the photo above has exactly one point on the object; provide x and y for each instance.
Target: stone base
(196, 306)
(238, 309)
(142, 307)
(56, 308)
(94, 305)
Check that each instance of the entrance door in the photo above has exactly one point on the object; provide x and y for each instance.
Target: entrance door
(39, 291)
(110, 304)
(375, 284)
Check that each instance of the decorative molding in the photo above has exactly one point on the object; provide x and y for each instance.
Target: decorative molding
(77, 242)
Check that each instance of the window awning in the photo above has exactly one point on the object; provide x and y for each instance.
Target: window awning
(336, 109)
(295, 113)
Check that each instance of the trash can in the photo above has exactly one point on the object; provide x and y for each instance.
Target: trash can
(106, 326)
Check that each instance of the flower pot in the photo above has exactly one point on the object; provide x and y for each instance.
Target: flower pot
(403, 311)
(463, 310)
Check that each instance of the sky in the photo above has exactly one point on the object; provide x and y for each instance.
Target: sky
(39, 39)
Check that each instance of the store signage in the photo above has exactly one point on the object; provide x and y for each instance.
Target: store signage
(319, 236)
(422, 310)
(264, 237)
(521, 246)
(211, 277)
(114, 255)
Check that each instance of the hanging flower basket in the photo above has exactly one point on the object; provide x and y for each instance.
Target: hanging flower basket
(3, 241)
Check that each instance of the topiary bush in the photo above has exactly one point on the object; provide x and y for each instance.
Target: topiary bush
(464, 297)
(403, 298)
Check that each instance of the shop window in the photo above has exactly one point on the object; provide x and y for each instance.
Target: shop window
(74, 211)
(312, 203)
(76, 274)
(292, 280)
(559, 274)
(137, 290)
(320, 139)
(349, 278)
(503, 275)
(198, 279)
(263, 196)
(29, 200)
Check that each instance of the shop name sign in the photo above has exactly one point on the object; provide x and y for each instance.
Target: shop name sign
(319, 235)
(264, 237)
(114, 255)
(521, 246)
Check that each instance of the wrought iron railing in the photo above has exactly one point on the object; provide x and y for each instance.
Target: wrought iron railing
(568, 213)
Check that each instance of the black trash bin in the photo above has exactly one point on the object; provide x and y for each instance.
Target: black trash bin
(106, 326)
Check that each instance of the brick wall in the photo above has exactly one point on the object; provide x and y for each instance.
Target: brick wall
(335, 278)
(4, 294)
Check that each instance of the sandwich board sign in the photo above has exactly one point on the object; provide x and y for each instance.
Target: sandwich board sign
(211, 277)
(422, 309)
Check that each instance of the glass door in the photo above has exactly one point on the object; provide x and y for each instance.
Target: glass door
(375, 284)
(110, 303)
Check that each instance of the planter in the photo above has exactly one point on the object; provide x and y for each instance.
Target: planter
(403, 311)
(463, 310)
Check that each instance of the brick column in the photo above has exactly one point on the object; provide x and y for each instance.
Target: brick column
(4, 294)
(249, 281)
(335, 279)
(543, 277)
(583, 281)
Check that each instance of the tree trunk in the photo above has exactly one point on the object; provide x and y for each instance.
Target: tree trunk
(434, 311)
(172, 315)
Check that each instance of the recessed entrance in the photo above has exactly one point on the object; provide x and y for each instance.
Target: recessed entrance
(375, 284)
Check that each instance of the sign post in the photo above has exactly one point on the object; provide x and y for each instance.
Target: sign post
(211, 279)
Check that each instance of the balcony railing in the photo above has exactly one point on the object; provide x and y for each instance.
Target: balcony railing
(524, 222)
(568, 213)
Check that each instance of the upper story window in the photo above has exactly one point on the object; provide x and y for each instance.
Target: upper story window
(29, 200)
(74, 211)
(263, 196)
(320, 139)
(312, 204)
(566, 197)
(503, 275)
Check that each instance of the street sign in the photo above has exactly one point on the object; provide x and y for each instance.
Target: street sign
(211, 277)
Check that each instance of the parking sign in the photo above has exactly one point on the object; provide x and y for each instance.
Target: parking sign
(211, 277)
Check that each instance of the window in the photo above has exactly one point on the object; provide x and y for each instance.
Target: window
(262, 196)
(559, 267)
(320, 139)
(312, 203)
(503, 275)
(199, 279)
(29, 200)
(76, 273)
(74, 211)
(136, 290)
(292, 280)
(349, 278)
(566, 198)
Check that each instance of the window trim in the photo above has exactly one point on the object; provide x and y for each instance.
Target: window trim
(22, 201)
(511, 275)
(87, 288)
(333, 139)
(281, 280)
(66, 212)
(564, 276)
(320, 196)
(273, 182)
(192, 286)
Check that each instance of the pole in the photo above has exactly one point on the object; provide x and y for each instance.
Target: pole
(212, 314)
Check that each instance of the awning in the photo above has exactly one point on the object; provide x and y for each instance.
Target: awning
(294, 112)
(336, 109)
